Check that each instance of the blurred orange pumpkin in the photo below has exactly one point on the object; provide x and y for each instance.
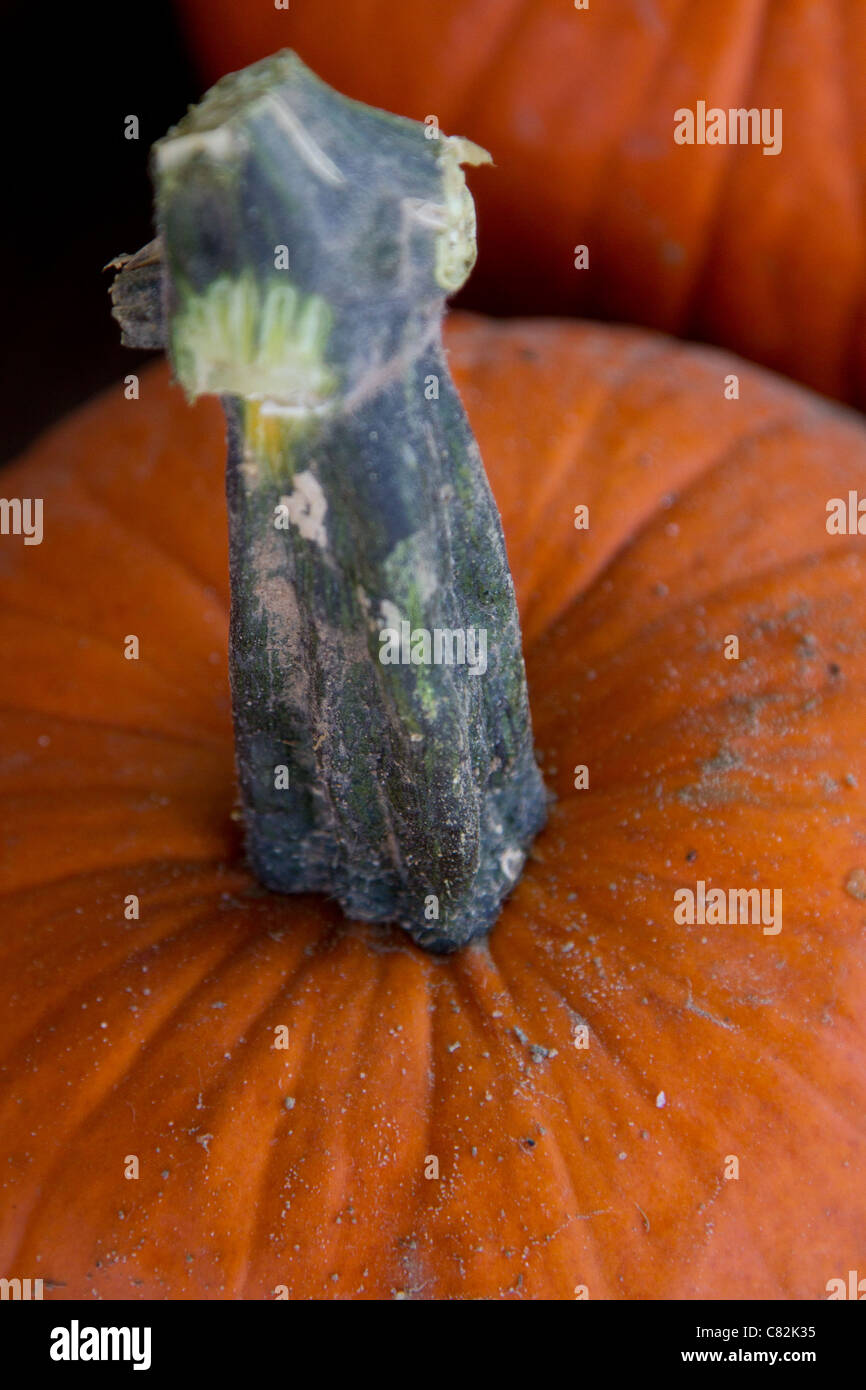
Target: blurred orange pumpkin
(762, 254)
(598, 1099)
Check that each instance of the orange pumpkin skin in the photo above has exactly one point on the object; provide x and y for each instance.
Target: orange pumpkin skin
(762, 254)
(559, 1168)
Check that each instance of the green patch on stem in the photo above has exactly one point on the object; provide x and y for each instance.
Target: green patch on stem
(456, 246)
(239, 339)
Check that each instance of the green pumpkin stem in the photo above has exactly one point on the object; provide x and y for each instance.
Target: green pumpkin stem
(306, 247)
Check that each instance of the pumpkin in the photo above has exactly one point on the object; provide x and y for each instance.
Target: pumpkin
(765, 255)
(596, 1100)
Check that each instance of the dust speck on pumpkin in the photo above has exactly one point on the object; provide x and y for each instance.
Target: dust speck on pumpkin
(289, 1103)
(855, 884)
(723, 761)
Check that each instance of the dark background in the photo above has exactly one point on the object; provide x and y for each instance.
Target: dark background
(77, 192)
